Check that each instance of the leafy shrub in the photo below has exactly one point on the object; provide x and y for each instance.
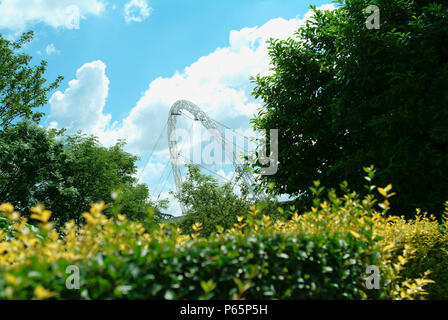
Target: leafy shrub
(4, 223)
(321, 254)
(428, 241)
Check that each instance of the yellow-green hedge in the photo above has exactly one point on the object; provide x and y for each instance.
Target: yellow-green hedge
(321, 254)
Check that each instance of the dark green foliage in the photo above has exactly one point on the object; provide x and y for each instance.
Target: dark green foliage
(262, 266)
(344, 96)
(30, 158)
(21, 86)
(66, 173)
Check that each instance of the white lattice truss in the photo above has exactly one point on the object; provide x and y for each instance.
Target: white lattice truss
(210, 125)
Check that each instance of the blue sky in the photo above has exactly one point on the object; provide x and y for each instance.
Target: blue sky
(129, 60)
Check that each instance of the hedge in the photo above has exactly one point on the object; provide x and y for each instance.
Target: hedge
(320, 254)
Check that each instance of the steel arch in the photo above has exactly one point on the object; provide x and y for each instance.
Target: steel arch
(210, 125)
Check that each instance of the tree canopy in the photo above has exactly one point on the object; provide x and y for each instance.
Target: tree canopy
(345, 96)
(67, 173)
(209, 202)
(21, 85)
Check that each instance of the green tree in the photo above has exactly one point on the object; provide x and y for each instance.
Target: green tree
(345, 96)
(134, 201)
(67, 173)
(21, 86)
(210, 202)
(30, 158)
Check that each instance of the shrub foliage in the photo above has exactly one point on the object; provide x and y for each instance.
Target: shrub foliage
(321, 254)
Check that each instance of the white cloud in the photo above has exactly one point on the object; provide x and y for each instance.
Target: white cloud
(51, 49)
(136, 11)
(17, 15)
(81, 105)
(218, 83)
